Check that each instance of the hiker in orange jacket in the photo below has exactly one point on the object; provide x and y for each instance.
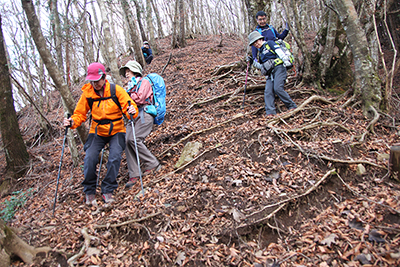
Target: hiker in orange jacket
(107, 126)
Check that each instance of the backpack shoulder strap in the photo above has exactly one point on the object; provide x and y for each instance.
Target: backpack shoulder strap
(272, 30)
(90, 102)
(114, 95)
(152, 88)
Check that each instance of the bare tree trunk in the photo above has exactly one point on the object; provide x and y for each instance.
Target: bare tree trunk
(109, 44)
(203, 23)
(174, 41)
(325, 61)
(52, 69)
(87, 40)
(135, 39)
(300, 40)
(366, 78)
(195, 26)
(181, 36)
(17, 156)
(58, 46)
(150, 28)
(57, 33)
(139, 19)
(159, 24)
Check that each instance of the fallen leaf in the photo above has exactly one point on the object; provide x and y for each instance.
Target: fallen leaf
(329, 240)
(374, 235)
(180, 258)
(237, 215)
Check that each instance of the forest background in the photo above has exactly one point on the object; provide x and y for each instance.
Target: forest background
(341, 47)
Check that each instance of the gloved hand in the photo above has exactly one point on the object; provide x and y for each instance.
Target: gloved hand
(287, 26)
(250, 60)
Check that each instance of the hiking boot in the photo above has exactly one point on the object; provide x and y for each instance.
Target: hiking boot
(156, 169)
(132, 181)
(91, 200)
(108, 198)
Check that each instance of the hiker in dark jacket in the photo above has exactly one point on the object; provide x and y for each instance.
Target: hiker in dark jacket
(267, 31)
(272, 63)
(147, 53)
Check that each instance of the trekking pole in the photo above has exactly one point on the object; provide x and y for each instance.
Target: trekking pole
(59, 167)
(136, 150)
(101, 161)
(245, 83)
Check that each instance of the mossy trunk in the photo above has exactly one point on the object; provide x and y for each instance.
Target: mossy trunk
(367, 83)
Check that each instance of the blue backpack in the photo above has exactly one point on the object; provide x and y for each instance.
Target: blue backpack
(159, 91)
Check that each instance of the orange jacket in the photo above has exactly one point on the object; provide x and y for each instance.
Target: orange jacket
(103, 110)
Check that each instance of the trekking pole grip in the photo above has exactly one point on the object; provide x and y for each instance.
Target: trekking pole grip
(66, 128)
(129, 104)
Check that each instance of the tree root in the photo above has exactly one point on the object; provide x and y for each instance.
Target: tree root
(87, 238)
(231, 67)
(98, 226)
(240, 115)
(366, 198)
(11, 244)
(208, 100)
(185, 165)
(325, 157)
(280, 204)
(71, 261)
(370, 127)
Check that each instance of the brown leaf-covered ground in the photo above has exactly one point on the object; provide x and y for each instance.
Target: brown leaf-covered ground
(280, 191)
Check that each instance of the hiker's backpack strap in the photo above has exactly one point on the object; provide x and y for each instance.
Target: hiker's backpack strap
(272, 29)
(114, 95)
(152, 88)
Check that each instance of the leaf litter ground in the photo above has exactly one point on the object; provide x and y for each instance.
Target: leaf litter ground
(263, 191)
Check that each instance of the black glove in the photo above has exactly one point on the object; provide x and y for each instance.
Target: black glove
(250, 60)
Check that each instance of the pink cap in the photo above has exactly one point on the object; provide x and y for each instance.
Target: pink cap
(95, 71)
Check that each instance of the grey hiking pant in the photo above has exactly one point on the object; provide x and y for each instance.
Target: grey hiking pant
(92, 147)
(275, 85)
(143, 126)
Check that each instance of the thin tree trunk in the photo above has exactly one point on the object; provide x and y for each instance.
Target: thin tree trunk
(17, 156)
(139, 20)
(57, 33)
(135, 39)
(181, 38)
(150, 28)
(174, 41)
(109, 44)
(204, 28)
(86, 37)
(159, 24)
(325, 61)
(299, 37)
(194, 28)
(52, 69)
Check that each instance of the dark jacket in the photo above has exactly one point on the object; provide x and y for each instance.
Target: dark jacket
(269, 33)
(265, 54)
(146, 52)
